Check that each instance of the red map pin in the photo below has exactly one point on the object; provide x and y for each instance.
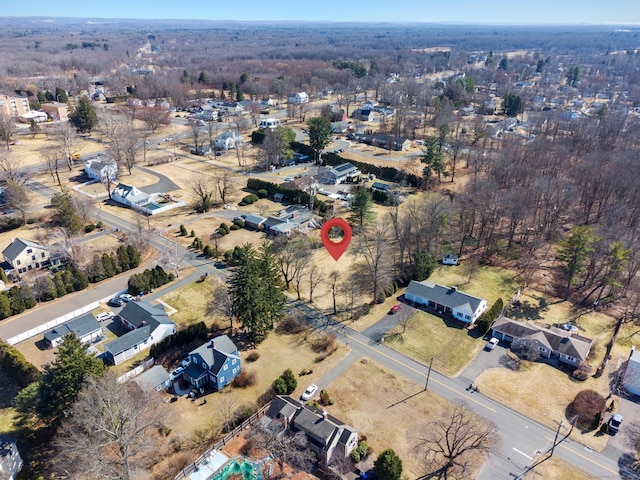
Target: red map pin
(335, 249)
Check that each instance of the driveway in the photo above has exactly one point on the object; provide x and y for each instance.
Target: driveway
(379, 329)
(629, 408)
(163, 185)
(484, 360)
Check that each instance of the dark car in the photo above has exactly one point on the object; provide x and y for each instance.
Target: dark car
(115, 302)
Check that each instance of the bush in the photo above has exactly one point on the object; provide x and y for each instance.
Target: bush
(245, 379)
(207, 251)
(239, 222)
(249, 199)
(326, 343)
(588, 405)
(279, 386)
(290, 380)
(292, 325)
(388, 466)
(193, 233)
(222, 232)
(183, 231)
(262, 193)
(234, 227)
(381, 297)
(487, 318)
(253, 356)
(89, 228)
(360, 452)
(324, 397)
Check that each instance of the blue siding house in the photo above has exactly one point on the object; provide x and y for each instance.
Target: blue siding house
(215, 363)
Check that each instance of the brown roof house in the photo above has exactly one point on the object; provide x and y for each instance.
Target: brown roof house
(328, 437)
(553, 343)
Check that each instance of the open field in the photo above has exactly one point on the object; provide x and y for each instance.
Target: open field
(191, 302)
(385, 407)
(451, 346)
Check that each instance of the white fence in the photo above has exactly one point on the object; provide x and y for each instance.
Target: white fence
(21, 337)
(136, 371)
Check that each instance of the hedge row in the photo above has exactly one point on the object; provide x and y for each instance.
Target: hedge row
(487, 318)
(148, 280)
(291, 195)
(14, 364)
(391, 174)
(180, 338)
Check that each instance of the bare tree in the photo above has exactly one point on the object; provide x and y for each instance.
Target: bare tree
(293, 256)
(316, 277)
(223, 184)
(221, 303)
(65, 136)
(203, 187)
(446, 444)
(125, 139)
(52, 161)
(11, 170)
(334, 279)
(373, 247)
(110, 429)
(283, 445)
(84, 205)
(196, 134)
(18, 198)
(227, 407)
(7, 128)
(154, 117)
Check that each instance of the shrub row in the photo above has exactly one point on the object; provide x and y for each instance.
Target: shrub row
(291, 195)
(148, 280)
(386, 292)
(14, 364)
(487, 318)
(180, 338)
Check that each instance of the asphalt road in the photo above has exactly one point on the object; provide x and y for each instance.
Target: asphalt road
(523, 440)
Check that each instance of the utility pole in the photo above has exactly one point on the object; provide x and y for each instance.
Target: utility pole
(555, 440)
(426, 385)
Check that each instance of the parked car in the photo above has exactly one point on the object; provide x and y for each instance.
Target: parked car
(394, 309)
(614, 423)
(115, 302)
(177, 373)
(570, 327)
(102, 317)
(491, 344)
(309, 392)
(126, 297)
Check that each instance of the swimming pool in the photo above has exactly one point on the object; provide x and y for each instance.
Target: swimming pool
(151, 206)
(237, 467)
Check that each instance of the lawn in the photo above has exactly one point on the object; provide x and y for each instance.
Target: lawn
(7, 394)
(384, 407)
(527, 391)
(192, 302)
(557, 469)
(451, 346)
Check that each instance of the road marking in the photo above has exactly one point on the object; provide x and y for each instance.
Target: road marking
(333, 327)
(587, 458)
(522, 453)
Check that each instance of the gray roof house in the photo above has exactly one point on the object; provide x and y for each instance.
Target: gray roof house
(341, 173)
(148, 323)
(10, 460)
(156, 378)
(631, 380)
(549, 342)
(85, 328)
(254, 221)
(328, 437)
(216, 362)
(446, 300)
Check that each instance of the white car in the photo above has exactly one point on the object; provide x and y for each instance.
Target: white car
(126, 297)
(570, 328)
(105, 316)
(491, 344)
(309, 392)
(177, 373)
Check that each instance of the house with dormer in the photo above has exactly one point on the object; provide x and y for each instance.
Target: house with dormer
(147, 324)
(214, 363)
(24, 255)
(446, 301)
(327, 436)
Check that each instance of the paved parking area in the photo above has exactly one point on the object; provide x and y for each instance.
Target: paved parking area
(629, 408)
(484, 360)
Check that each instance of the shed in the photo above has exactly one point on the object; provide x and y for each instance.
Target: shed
(631, 380)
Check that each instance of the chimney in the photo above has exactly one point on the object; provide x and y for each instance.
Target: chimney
(324, 414)
(454, 288)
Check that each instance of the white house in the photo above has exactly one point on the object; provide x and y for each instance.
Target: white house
(129, 195)
(102, 169)
(341, 174)
(271, 123)
(148, 324)
(446, 300)
(86, 328)
(231, 108)
(228, 140)
(298, 98)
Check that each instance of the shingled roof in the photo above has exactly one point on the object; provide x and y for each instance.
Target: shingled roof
(447, 296)
(16, 247)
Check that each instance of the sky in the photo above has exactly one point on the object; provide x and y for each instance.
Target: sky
(427, 11)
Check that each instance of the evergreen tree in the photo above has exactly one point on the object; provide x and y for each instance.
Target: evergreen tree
(61, 289)
(513, 105)
(319, 134)
(388, 466)
(134, 256)
(5, 306)
(65, 214)
(62, 379)
(290, 380)
(26, 294)
(107, 264)
(123, 258)
(573, 253)
(203, 78)
(61, 95)
(16, 301)
(80, 281)
(84, 117)
(115, 262)
(361, 208)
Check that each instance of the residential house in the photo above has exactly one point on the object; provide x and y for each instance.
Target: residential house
(156, 378)
(446, 300)
(214, 363)
(228, 140)
(631, 379)
(148, 324)
(14, 106)
(10, 460)
(381, 187)
(25, 255)
(33, 116)
(341, 174)
(550, 342)
(56, 111)
(331, 439)
(268, 102)
(339, 127)
(129, 195)
(362, 115)
(85, 327)
(101, 169)
(231, 108)
(299, 98)
(271, 123)
(254, 222)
